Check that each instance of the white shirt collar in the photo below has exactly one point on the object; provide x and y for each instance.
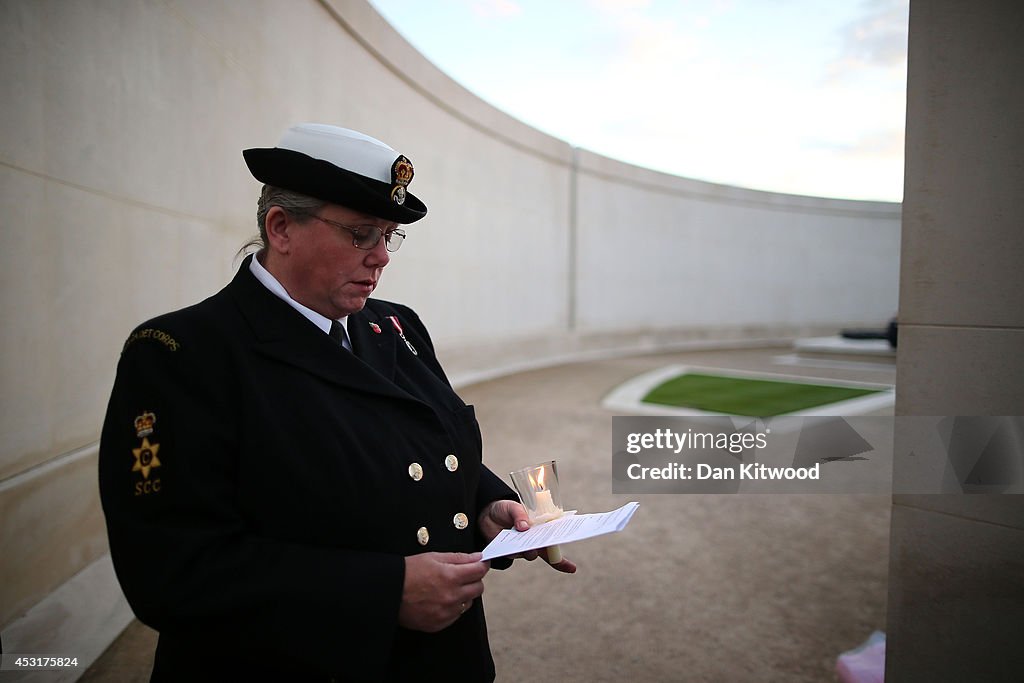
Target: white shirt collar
(271, 283)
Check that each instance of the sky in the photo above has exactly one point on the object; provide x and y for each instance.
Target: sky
(797, 96)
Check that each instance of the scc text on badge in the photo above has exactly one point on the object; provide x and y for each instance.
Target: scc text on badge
(702, 471)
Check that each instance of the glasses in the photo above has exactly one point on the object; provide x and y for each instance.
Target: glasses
(366, 237)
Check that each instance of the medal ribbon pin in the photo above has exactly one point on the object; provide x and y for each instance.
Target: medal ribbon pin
(398, 328)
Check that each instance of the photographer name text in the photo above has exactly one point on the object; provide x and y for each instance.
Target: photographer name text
(704, 472)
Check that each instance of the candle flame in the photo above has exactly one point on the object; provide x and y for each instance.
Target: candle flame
(539, 485)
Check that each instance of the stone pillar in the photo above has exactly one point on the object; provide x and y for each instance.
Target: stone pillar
(956, 588)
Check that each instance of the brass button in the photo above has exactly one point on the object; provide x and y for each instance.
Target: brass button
(461, 521)
(416, 471)
(423, 536)
(452, 463)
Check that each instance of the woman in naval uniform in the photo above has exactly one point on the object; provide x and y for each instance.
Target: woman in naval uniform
(293, 491)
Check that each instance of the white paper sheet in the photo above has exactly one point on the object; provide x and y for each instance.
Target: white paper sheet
(560, 531)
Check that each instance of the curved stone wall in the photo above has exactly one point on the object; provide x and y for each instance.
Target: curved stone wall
(125, 195)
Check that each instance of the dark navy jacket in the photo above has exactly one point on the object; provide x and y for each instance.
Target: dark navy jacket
(257, 484)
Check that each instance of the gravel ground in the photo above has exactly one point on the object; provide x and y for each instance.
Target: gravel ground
(697, 588)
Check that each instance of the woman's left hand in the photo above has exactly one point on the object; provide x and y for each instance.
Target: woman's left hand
(508, 514)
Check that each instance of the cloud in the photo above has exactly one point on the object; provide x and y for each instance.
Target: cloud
(883, 144)
(495, 9)
(873, 144)
(678, 91)
(615, 6)
(877, 39)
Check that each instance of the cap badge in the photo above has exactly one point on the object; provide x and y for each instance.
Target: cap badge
(401, 176)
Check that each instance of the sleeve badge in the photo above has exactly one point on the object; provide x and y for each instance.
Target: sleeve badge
(146, 458)
(144, 424)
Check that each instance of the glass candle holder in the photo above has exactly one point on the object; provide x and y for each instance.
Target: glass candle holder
(538, 489)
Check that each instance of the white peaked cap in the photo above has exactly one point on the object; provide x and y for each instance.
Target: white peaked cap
(340, 166)
(342, 147)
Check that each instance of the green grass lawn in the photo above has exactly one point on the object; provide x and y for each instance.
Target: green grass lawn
(754, 397)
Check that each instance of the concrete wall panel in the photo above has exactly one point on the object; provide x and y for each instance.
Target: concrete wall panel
(960, 371)
(955, 590)
(959, 613)
(50, 528)
(668, 253)
(967, 244)
(96, 271)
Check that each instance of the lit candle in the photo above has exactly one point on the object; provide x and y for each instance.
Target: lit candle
(545, 510)
(545, 505)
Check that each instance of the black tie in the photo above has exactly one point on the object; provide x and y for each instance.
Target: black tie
(337, 334)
